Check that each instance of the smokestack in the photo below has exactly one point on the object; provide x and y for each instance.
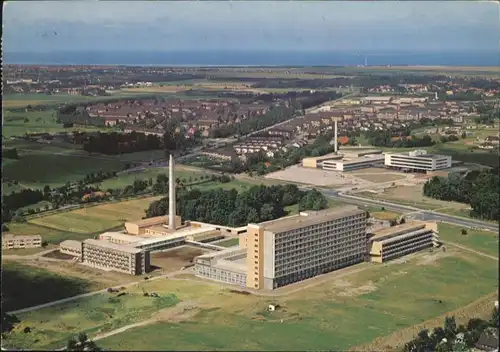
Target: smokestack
(171, 195)
(335, 145)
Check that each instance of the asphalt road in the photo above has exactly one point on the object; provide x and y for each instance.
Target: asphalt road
(418, 214)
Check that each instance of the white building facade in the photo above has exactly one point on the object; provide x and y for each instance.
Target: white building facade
(417, 160)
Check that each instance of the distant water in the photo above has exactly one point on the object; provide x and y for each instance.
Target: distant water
(255, 58)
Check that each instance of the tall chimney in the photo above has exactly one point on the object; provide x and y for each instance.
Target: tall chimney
(335, 145)
(171, 195)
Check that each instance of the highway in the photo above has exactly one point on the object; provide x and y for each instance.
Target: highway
(418, 214)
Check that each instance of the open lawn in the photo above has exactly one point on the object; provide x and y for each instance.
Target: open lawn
(412, 196)
(100, 313)
(482, 241)
(96, 218)
(174, 259)
(25, 286)
(36, 122)
(334, 315)
(37, 168)
(231, 242)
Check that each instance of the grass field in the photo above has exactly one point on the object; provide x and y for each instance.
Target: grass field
(482, 241)
(334, 315)
(25, 286)
(51, 235)
(99, 313)
(229, 242)
(412, 196)
(38, 122)
(38, 168)
(97, 218)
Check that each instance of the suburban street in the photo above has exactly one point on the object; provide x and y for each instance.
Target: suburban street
(418, 214)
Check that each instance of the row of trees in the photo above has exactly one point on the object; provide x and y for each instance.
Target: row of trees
(233, 208)
(448, 338)
(385, 139)
(480, 189)
(117, 143)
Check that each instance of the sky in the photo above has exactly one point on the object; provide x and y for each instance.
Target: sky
(83, 25)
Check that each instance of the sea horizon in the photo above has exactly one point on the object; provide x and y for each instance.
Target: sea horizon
(255, 58)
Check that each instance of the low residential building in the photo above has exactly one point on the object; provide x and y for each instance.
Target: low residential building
(417, 160)
(400, 240)
(121, 258)
(10, 241)
(71, 247)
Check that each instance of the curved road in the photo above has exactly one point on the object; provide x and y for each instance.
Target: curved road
(420, 214)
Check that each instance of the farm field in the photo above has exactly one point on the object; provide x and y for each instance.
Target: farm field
(412, 196)
(36, 169)
(37, 122)
(482, 241)
(384, 298)
(96, 218)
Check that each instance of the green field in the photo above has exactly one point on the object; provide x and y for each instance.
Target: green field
(482, 241)
(25, 286)
(94, 219)
(382, 298)
(38, 122)
(49, 234)
(39, 168)
(229, 242)
(99, 313)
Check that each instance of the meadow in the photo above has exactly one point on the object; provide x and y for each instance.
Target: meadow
(95, 219)
(99, 313)
(37, 168)
(335, 314)
(482, 241)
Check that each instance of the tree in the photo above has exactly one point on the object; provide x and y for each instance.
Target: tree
(402, 221)
(464, 232)
(393, 222)
(450, 327)
(82, 343)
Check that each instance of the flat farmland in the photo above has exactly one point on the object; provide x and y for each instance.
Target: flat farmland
(412, 196)
(54, 168)
(335, 314)
(96, 218)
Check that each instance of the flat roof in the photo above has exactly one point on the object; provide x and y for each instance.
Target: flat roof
(9, 236)
(324, 157)
(151, 221)
(71, 244)
(362, 159)
(308, 218)
(180, 233)
(116, 247)
(122, 236)
(231, 266)
(397, 230)
(427, 156)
